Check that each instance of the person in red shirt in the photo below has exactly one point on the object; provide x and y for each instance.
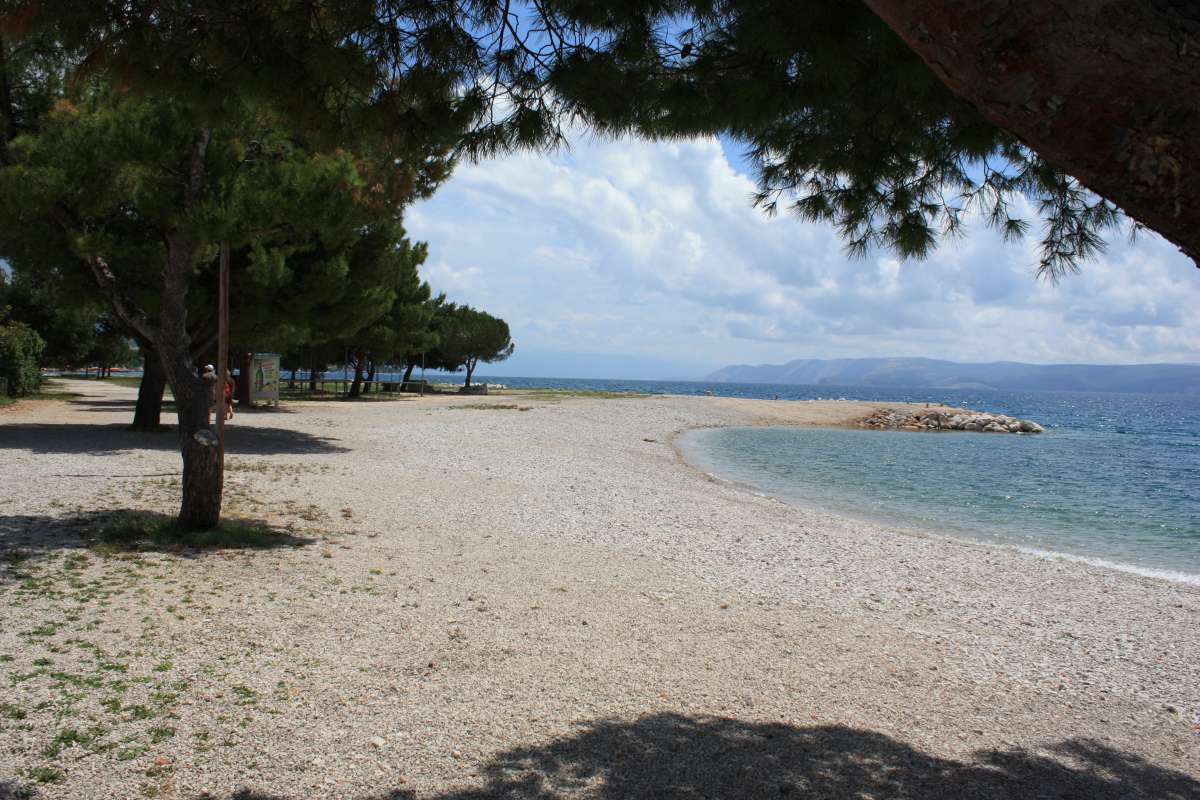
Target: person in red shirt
(230, 388)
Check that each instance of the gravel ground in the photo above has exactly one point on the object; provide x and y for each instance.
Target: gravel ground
(533, 596)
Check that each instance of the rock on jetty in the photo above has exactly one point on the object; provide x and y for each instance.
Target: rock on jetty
(947, 419)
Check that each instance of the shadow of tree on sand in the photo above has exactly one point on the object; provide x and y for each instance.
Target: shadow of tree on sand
(673, 757)
(24, 539)
(126, 406)
(10, 790)
(116, 438)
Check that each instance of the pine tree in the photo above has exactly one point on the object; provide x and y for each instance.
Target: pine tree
(139, 192)
(468, 337)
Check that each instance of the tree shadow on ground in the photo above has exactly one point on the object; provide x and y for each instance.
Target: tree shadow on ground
(126, 407)
(10, 790)
(116, 438)
(673, 757)
(24, 539)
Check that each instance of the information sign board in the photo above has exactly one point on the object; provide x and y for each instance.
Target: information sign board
(264, 378)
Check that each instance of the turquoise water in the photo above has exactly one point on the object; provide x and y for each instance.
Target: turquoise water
(1088, 493)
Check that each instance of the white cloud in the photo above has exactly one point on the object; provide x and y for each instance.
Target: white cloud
(654, 250)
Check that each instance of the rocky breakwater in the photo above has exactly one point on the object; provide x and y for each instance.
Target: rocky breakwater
(946, 419)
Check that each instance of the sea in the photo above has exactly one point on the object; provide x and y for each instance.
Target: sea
(1114, 480)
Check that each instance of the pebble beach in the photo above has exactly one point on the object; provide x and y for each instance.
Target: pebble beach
(533, 595)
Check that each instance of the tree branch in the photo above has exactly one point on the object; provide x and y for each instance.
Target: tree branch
(129, 312)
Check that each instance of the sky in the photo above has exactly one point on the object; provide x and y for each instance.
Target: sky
(647, 260)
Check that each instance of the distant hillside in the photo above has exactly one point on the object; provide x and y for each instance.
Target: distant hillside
(1005, 375)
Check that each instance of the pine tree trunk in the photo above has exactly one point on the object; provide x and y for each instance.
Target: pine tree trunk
(147, 415)
(470, 370)
(202, 472)
(1105, 91)
(243, 378)
(356, 386)
(408, 371)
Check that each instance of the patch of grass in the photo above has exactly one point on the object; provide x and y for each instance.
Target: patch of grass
(158, 735)
(130, 753)
(245, 694)
(70, 737)
(559, 394)
(485, 407)
(136, 712)
(141, 531)
(9, 711)
(46, 775)
(44, 630)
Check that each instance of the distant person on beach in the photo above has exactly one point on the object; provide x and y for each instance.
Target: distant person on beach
(209, 374)
(230, 391)
(226, 402)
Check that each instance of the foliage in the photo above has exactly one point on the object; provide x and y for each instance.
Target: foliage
(20, 356)
(111, 348)
(67, 321)
(467, 337)
(844, 123)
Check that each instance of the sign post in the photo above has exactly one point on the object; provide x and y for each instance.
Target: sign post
(264, 378)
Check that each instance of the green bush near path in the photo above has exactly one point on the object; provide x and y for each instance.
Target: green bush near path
(20, 356)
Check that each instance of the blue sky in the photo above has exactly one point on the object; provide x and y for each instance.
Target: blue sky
(636, 259)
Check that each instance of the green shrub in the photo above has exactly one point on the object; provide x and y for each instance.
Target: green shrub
(20, 354)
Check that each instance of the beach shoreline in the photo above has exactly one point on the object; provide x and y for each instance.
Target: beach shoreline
(900, 527)
(491, 575)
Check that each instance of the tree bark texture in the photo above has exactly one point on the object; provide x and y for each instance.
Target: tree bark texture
(202, 479)
(1106, 90)
(356, 385)
(245, 361)
(315, 371)
(202, 475)
(147, 414)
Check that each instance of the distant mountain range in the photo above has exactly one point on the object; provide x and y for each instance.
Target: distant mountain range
(919, 373)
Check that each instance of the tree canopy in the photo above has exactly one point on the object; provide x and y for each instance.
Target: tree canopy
(467, 337)
(851, 114)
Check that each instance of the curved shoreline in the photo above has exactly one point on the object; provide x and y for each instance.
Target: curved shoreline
(898, 526)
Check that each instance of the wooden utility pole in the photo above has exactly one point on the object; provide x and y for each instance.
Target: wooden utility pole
(222, 349)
